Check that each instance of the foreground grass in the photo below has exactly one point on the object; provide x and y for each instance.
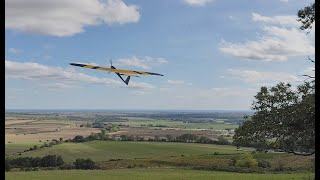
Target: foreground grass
(154, 174)
(105, 150)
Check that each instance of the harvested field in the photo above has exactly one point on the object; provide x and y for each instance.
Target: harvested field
(30, 131)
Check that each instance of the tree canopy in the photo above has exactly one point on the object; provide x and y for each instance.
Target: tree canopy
(284, 119)
(307, 16)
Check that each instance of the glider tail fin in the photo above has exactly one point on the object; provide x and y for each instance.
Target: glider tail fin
(127, 80)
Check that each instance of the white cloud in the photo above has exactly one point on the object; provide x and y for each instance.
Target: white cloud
(66, 17)
(14, 50)
(226, 92)
(175, 82)
(179, 82)
(279, 20)
(279, 42)
(197, 2)
(144, 62)
(58, 86)
(35, 71)
(252, 76)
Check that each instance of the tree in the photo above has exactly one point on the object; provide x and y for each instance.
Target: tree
(169, 137)
(307, 16)
(246, 160)
(84, 164)
(7, 166)
(204, 139)
(49, 161)
(36, 162)
(78, 138)
(284, 119)
(124, 137)
(156, 138)
(89, 125)
(222, 140)
(60, 161)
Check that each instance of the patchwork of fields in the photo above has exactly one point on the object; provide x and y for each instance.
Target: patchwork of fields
(141, 159)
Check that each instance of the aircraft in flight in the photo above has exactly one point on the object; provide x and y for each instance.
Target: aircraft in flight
(119, 72)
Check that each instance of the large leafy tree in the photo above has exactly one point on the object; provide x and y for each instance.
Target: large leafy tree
(284, 119)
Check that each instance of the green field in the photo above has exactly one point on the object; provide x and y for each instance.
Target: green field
(154, 174)
(105, 150)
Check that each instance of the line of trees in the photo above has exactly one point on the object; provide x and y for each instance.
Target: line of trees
(49, 161)
(30, 162)
(188, 138)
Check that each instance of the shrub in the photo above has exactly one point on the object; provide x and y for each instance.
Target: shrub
(233, 161)
(280, 166)
(84, 164)
(264, 164)
(246, 160)
(66, 167)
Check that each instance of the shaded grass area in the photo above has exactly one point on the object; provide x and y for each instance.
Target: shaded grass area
(154, 174)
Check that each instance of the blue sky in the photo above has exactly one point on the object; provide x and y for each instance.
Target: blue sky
(214, 54)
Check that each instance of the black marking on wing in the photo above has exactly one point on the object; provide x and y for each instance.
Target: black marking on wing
(75, 64)
(137, 72)
(151, 73)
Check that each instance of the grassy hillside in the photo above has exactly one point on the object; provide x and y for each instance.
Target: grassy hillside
(154, 174)
(105, 150)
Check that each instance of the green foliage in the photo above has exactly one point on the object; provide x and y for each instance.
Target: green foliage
(246, 160)
(307, 16)
(60, 161)
(187, 138)
(7, 166)
(169, 137)
(28, 162)
(84, 164)
(222, 140)
(283, 114)
(264, 164)
(78, 139)
(280, 166)
(89, 125)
